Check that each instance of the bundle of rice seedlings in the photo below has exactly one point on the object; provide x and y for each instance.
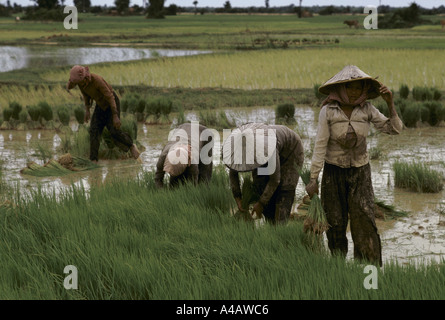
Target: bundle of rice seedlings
(315, 221)
(64, 165)
(248, 197)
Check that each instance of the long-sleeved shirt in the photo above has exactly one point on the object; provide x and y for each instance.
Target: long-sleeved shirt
(99, 90)
(289, 157)
(342, 141)
(197, 170)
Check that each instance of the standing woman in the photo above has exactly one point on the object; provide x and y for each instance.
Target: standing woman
(106, 113)
(341, 150)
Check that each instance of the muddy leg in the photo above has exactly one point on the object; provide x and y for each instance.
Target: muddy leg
(367, 244)
(334, 199)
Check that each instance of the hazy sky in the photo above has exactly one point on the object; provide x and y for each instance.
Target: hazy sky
(261, 3)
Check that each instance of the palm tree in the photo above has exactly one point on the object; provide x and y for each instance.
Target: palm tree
(195, 3)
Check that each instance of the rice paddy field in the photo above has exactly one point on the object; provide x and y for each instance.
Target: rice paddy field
(129, 240)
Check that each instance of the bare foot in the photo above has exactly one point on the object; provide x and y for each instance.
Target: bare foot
(134, 151)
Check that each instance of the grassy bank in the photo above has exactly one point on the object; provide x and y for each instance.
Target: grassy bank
(180, 244)
(182, 98)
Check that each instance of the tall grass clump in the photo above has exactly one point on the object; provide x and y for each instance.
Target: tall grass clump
(404, 91)
(426, 93)
(216, 120)
(412, 114)
(158, 110)
(64, 115)
(436, 112)
(7, 114)
(16, 108)
(79, 114)
(417, 177)
(80, 145)
(130, 241)
(46, 111)
(34, 112)
(317, 93)
(284, 113)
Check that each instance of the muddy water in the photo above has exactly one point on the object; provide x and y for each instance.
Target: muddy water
(416, 239)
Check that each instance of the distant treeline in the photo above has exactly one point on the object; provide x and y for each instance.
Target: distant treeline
(173, 9)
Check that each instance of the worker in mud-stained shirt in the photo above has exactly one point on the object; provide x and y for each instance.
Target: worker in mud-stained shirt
(341, 151)
(106, 113)
(274, 154)
(187, 156)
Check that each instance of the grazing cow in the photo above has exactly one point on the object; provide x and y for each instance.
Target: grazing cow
(442, 22)
(351, 23)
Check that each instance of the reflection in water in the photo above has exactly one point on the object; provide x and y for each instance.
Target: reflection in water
(415, 238)
(12, 58)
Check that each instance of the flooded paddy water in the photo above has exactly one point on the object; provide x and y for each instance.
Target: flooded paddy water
(14, 58)
(416, 239)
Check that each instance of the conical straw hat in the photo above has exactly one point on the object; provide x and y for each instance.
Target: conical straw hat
(348, 74)
(177, 160)
(249, 147)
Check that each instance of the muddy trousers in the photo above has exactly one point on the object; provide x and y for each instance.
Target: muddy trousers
(101, 119)
(349, 191)
(278, 209)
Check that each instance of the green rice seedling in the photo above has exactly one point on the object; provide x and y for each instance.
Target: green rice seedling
(412, 114)
(65, 165)
(7, 114)
(437, 94)
(400, 105)
(64, 115)
(130, 126)
(50, 169)
(181, 116)
(315, 221)
(317, 93)
(389, 210)
(23, 116)
(42, 151)
(16, 109)
(129, 240)
(215, 120)
(422, 93)
(425, 114)
(404, 91)
(285, 113)
(79, 114)
(436, 112)
(81, 142)
(417, 177)
(375, 153)
(34, 112)
(45, 110)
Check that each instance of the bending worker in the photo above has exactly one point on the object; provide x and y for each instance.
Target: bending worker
(106, 113)
(188, 159)
(274, 155)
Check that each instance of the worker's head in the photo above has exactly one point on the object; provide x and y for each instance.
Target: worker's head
(78, 76)
(177, 160)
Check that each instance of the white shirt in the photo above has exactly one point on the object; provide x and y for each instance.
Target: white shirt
(331, 144)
